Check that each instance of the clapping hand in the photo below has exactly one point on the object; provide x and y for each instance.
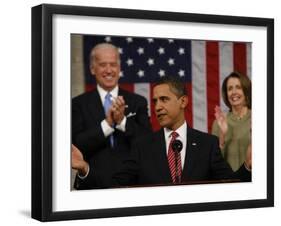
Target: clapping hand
(221, 119)
(118, 109)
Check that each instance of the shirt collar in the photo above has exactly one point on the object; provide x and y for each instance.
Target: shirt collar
(181, 131)
(103, 92)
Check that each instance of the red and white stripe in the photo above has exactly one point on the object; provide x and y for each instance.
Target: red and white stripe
(211, 63)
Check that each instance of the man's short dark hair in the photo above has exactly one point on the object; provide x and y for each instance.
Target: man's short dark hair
(175, 84)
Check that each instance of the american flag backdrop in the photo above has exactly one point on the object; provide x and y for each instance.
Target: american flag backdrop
(201, 65)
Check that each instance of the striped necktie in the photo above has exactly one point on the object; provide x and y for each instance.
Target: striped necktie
(174, 166)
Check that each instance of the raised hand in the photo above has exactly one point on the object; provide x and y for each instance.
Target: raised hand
(221, 119)
(118, 109)
(77, 161)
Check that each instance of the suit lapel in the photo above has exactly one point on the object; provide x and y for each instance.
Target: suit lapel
(96, 106)
(159, 149)
(190, 154)
(123, 93)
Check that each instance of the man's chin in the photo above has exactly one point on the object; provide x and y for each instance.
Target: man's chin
(163, 124)
(110, 86)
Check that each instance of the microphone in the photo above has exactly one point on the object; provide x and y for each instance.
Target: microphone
(177, 147)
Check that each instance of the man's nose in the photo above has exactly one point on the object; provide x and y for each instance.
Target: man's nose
(108, 69)
(157, 106)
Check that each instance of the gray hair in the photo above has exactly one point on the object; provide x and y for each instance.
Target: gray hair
(103, 46)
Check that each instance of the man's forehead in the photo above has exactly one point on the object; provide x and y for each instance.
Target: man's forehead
(162, 90)
(107, 55)
(161, 87)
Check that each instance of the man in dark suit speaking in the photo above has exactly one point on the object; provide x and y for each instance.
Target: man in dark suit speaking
(175, 154)
(107, 120)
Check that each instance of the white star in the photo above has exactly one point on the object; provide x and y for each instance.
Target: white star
(130, 62)
(140, 73)
(181, 51)
(171, 61)
(107, 39)
(121, 74)
(140, 50)
(150, 61)
(150, 40)
(170, 40)
(129, 39)
(161, 50)
(120, 50)
(161, 73)
(181, 73)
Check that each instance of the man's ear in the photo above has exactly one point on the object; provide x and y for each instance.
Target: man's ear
(92, 70)
(184, 101)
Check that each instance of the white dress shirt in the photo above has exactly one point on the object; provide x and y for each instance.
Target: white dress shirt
(106, 128)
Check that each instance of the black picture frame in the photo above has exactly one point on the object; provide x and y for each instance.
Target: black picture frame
(42, 111)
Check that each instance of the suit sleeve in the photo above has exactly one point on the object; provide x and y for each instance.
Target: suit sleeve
(97, 178)
(101, 176)
(85, 138)
(128, 173)
(138, 124)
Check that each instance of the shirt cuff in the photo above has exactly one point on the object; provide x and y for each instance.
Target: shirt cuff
(122, 125)
(107, 129)
(84, 177)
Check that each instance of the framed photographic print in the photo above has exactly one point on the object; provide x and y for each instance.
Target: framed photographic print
(199, 50)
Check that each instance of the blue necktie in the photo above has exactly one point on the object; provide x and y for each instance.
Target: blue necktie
(107, 105)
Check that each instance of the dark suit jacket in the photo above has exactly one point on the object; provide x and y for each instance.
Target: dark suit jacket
(87, 134)
(148, 164)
